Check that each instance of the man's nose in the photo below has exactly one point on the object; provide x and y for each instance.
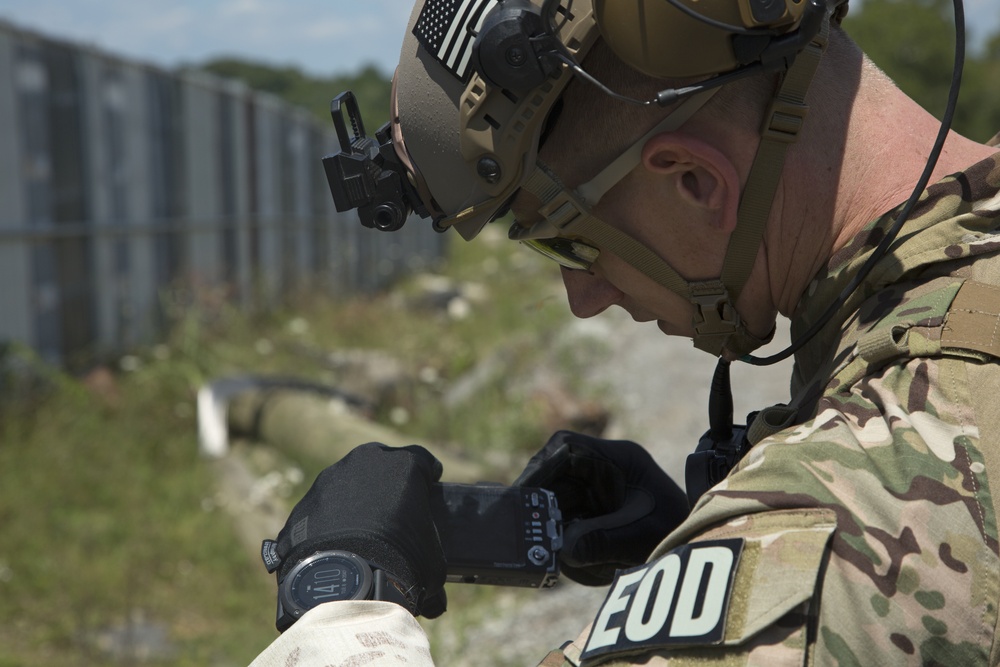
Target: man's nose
(589, 293)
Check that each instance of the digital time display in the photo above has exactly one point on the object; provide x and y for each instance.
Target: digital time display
(329, 578)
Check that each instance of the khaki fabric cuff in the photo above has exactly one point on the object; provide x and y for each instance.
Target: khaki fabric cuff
(353, 632)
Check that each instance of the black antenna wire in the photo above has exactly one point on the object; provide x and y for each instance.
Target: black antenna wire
(904, 214)
(720, 404)
(665, 97)
(550, 7)
(591, 79)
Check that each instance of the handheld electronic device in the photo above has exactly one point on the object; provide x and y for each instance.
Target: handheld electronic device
(498, 535)
(490, 534)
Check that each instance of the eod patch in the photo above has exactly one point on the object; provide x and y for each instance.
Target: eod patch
(680, 599)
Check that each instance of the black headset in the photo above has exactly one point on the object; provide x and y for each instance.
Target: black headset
(517, 48)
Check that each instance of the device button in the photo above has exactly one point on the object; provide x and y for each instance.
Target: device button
(538, 555)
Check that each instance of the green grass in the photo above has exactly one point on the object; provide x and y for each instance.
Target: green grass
(103, 525)
(105, 504)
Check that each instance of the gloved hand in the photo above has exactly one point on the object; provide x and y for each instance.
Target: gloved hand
(375, 502)
(617, 503)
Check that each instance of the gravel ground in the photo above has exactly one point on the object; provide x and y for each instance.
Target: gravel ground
(661, 387)
(661, 384)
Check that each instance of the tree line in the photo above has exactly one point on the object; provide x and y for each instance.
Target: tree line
(911, 40)
(370, 85)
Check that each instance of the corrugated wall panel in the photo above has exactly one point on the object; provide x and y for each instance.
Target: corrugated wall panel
(236, 122)
(168, 183)
(17, 324)
(73, 245)
(319, 194)
(104, 137)
(143, 304)
(269, 200)
(32, 96)
(300, 153)
(201, 169)
(127, 180)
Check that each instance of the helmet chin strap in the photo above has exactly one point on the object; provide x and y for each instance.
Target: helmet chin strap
(717, 325)
(780, 129)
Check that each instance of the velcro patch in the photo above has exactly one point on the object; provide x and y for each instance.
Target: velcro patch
(448, 29)
(680, 599)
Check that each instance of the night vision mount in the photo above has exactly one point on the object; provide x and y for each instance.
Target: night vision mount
(367, 174)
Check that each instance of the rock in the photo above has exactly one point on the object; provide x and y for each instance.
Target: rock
(137, 640)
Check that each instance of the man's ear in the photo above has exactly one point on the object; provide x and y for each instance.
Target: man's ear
(701, 174)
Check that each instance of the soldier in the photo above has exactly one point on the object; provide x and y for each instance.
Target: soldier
(662, 154)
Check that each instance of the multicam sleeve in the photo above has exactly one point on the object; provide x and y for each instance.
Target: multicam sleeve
(912, 569)
(674, 612)
(868, 537)
(350, 633)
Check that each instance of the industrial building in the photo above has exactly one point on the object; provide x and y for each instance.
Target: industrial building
(120, 181)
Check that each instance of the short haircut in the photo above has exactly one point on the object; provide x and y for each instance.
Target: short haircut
(594, 128)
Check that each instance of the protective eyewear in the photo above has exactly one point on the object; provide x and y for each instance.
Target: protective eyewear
(568, 253)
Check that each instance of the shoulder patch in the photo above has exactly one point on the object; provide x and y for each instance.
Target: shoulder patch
(680, 599)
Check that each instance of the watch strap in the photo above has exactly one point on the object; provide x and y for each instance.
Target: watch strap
(385, 588)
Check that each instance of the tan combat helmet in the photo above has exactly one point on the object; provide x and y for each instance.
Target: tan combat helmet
(478, 78)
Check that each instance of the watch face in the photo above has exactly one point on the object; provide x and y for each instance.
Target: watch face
(327, 577)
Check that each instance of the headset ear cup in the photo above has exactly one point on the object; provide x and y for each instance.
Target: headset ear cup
(503, 53)
(662, 41)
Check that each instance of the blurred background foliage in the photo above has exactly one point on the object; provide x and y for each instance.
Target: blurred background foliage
(119, 542)
(913, 41)
(369, 84)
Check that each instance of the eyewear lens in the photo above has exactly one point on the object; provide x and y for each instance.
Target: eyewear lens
(567, 253)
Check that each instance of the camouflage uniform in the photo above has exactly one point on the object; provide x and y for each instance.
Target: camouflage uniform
(861, 528)
(869, 525)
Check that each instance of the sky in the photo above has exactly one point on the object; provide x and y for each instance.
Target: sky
(321, 37)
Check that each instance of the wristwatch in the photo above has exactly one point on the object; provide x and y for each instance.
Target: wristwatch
(329, 576)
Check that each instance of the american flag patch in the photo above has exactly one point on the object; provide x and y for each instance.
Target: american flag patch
(448, 29)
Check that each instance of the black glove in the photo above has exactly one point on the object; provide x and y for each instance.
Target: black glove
(375, 502)
(617, 503)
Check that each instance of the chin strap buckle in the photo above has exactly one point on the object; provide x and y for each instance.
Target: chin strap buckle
(715, 319)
